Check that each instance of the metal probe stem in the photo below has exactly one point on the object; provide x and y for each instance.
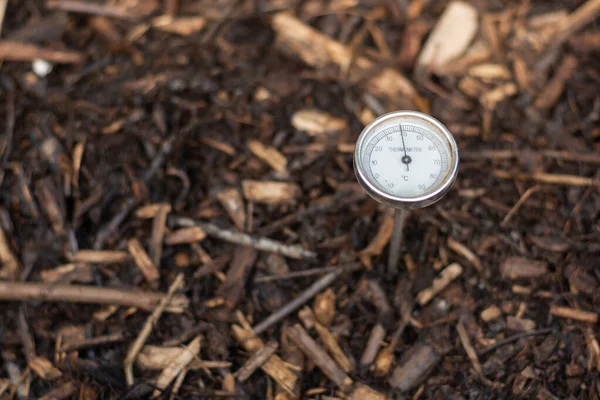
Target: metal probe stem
(396, 241)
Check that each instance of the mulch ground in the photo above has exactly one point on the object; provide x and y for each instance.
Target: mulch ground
(179, 215)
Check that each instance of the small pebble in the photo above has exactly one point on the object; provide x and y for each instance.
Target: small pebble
(41, 67)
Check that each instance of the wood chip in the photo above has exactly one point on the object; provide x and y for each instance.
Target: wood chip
(487, 71)
(445, 277)
(415, 365)
(177, 365)
(44, 368)
(331, 344)
(491, 98)
(449, 39)
(68, 273)
(363, 392)
(142, 260)
(549, 96)
(149, 211)
(159, 223)
(256, 360)
(271, 192)
(10, 266)
(318, 50)
(381, 239)
(183, 26)
(324, 307)
(17, 51)
(519, 324)
(523, 268)
(232, 202)
(317, 122)
(491, 313)
(314, 352)
(274, 366)
(464, 251)
(101, 257)
(269, 155)
(185, 236)
(571, 313)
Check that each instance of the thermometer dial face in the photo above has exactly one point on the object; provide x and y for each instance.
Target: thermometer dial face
(406, 159)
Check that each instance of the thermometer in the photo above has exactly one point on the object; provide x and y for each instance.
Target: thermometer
(405, 160)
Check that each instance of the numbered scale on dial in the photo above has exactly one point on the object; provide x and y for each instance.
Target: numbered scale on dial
(406, 159)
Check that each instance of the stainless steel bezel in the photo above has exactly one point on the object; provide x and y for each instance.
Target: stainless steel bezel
(406, 202)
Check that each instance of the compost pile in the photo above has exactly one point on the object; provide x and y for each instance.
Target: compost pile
(179, 215)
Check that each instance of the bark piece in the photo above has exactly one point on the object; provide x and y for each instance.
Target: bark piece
(415, 366)
(44, 368)
(491, 313)
(519, 324)
(237, 275)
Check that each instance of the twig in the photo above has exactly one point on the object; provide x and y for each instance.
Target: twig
(445, 277)
(93, 342)
(256, 360)
(262, 244)
(132, 201)
(82, 7)
(468, 346)
(591, 158)
(293, 305)
(147, 329)
(16, 291)
(17, 51)
(518, 204)
(313, 351)
(571, 313)
(338, 200)
(305, 273)
(512, 338)
(177, 365)
(558, 179)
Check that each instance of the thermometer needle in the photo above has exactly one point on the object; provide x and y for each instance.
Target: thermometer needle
(406, 159)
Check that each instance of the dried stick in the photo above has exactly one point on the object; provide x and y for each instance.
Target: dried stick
(338, 200)
(293, 305)
(256, 361)
(518, 204)
(571, 313)
(468, 346)
(513, 338)
(93, 342)
(557, 179)
(132, 201)
(17, 51)
(313, 351)
(262, 244)
(147, 329)
(305, 273)
(17, 291)
(373, 344)
(82, 7)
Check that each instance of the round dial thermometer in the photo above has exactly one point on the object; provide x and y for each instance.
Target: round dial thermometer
(406, 159)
